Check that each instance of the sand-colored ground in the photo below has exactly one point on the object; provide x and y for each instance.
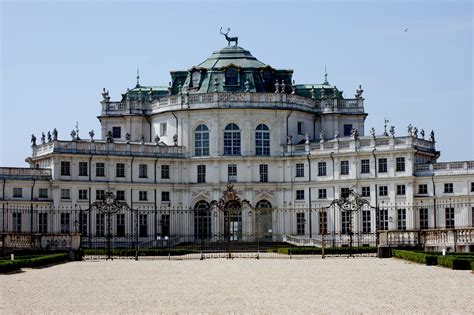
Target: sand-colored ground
(269, 286)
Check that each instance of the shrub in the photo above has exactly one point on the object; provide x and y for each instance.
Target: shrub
(454, 262)
(32, 261)
(327, 251)
(423, 258)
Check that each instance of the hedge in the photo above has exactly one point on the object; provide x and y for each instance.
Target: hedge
(327, 251)
(142, 252)
(423, 258)
(455, 262)
(20, 262)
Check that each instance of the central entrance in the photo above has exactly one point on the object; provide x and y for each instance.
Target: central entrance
(233, 224)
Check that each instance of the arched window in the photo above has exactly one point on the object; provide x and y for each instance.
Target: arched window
(201, 141)
(231, 76)
(263, 204)
(232, 140)
(262, 140)
(202, 220)
(265, 224)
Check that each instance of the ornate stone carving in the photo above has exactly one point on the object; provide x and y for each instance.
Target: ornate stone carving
(277, 87)
(127, 137)
(354, 134)
(359, 92)
(230, 39)
(157, 139)
(108, 137)
(321, 136)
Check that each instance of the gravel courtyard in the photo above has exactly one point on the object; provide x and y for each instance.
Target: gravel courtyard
(333, 285)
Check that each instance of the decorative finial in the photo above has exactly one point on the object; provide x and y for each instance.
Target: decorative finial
(325, 75)
(392, 131)
(77, 131)
(288, 140)
(282, 87)
(150, 95)
(175, 139)
(216, 85)
(321, 136)
(230, 39)
(334, 92)
(313, 93)
(73, 135)
(277, 87)
(142, 140)
(354, 134)
(138, 78)
(247, 84)
(386, 121)
(336, 135)
(293, 87)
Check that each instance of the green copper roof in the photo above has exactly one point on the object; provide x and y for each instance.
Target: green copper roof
(234, 55)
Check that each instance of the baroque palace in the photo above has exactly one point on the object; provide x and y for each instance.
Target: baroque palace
(288, 149)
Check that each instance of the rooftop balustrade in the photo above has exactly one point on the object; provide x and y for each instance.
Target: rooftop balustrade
(235, 100)
(22, 172)
(463, 167)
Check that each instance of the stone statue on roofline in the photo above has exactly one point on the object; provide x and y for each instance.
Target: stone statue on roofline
(410, 130)
(321, 136)
(336, 135)
(127, 137)
(73, 135)
(43, 138)
(108, 137)
(55, 134)
(283, 86)
(392, 131)
(306, 139)
(288, 140)
(415, 132)
(157, 139)
(422, 134)
(293, 87)
(175, 139)
(91, 135)
(372, 132)
(33, 140)
(49, 137)
(432, 136)
(142, 140)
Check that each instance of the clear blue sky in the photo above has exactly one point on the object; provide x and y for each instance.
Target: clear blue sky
(57, 56)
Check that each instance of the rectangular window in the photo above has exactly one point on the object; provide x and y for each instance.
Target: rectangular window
(65, 224)
(472, 216)
(423, 189)
(323, 223)
(347, 129)
(345, 219)
(400, 166)
(165, 196)
(322, 193)
(299, 170)
(120, 225)
(120, 195)
(82, 194)
(401, 190)
(366, 191)
(345, 192)
(65, 194)
(232, 173)
(201, 173)
(16, 222)
(143, 195)
(83, 169)
(100, 224)
(365, 166)
(448, 188)
(321, 168)
(120, 170)
(100, 169)
(116, 132)
(344, 167)
(402, 219)
(263, 169)
(383, 213)
(83, 224)
(423, 218)
(449, 215)
(300, 194)
(472, 187)
(366, 224)
(43, 193)
(143, 222)
(383, 165)
(163, 130)
(42, 222)
(383, 190)
(143, 171)
(165, 225)
(65, 168)
(17, 192)
(100, 194)
(165, 171)
(300, 223)
(300, 126)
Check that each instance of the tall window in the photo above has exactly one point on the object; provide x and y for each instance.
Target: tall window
(143, 223)
(120, 195)
(322, 193)
(143, 171)
(262, 140)
(165, 196)
(43, 193)
(232, 173)
(300, 223)
(365, 166)
(120, 170)
(17, 192)
(383, 219)
(42, 222)
(232, 140)
(382, 165)
(366, 191)
(82, 194)
(366, 221)
(401, 190)
(100, 169)
(263, 170)
(65, 168)
(423, 218)
(116, 132)
(65, 222)
(100, 224)
(422, 189)
(16, 222)
(165, 171)
(83, 223)
(201, 173)
(120, 229)
(344, 167)
(449, 215)
(321, 168)
(300, 127)
(143, 195)
(383, 191)
(231, 76)
(345, 222)
(300, 194)
(347, 130)
(65, 194)
(83, 169)
(323, 223)
(202, 220)
(299, 169)
(448, 188)
(400, 164)
(201, 141)
(402, 219)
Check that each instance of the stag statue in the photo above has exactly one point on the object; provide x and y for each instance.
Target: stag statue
(230, 39)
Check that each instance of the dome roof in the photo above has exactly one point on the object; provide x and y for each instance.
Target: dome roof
(231, 55)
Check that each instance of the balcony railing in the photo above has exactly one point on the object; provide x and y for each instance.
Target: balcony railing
(24, 172)
(446, 167)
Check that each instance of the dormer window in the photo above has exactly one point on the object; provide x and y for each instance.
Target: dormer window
(195, 79)
(232, 76)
